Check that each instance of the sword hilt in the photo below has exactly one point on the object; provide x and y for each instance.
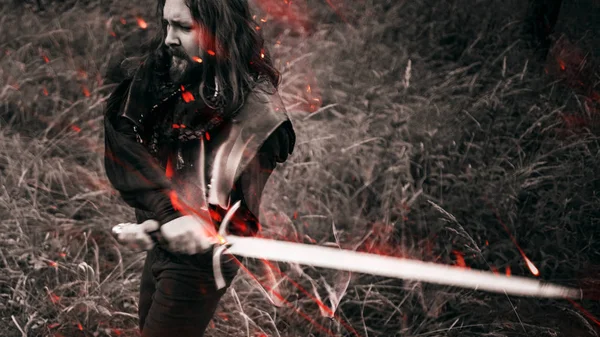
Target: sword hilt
(156, 236)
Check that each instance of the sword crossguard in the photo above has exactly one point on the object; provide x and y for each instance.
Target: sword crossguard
(218, 252)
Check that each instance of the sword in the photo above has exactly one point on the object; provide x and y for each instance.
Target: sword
(374, 264)
(348, 260)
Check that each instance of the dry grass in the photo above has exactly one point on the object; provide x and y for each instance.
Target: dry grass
(427, 129)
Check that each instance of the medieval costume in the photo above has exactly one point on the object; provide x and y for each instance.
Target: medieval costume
(153, 137)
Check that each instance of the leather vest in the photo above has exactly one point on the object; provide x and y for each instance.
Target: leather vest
(229, 151)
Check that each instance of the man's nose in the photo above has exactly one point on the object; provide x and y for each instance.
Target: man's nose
(171, 39)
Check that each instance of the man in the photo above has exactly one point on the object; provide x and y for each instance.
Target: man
(208, 87)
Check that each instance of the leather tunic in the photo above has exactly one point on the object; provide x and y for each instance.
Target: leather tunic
(239, 155)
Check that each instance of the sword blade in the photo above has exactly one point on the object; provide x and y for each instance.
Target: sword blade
(340, 259)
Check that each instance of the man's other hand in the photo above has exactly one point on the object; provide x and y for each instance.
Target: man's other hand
(188, 234)
(136, 236)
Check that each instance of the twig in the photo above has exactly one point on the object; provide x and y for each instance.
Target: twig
(360, 143)
(18, 326)
(320, 110)
(515, 310)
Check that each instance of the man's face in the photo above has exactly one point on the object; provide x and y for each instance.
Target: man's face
(183, 36)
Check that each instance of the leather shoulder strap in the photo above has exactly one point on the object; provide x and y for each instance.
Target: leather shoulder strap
(262, 113)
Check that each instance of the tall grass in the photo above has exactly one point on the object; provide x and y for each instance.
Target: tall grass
(425, 129)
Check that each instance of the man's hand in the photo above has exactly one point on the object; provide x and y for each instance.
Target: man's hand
(188, 234)
(136, 236)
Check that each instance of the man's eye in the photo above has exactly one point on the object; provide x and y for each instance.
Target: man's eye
(184, 28)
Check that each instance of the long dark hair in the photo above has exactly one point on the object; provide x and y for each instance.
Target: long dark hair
(238, 58)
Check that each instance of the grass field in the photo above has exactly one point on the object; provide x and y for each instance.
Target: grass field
(426, 129)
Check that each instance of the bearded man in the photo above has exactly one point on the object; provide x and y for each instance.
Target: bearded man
(198, 127)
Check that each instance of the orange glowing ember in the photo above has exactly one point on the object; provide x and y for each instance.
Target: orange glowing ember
(85, 90)
(52, 264)
(257, 28)
(210, 52)
(187, 96)
(142, 23)
(54, 298)
(197, 59)
(175, 201)
(75, 128)
(207, 136)
(45, 91)
(531, 266)
(223, 316)
(460, 260)
(113, 34)
(169, 170)
(562, 64)
(79, 326)
(46, 59)
(215, 215)
(508, 272)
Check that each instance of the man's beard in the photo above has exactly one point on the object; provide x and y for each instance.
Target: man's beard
(182, 69)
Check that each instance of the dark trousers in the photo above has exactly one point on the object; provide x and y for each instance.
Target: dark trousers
(178, 295)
